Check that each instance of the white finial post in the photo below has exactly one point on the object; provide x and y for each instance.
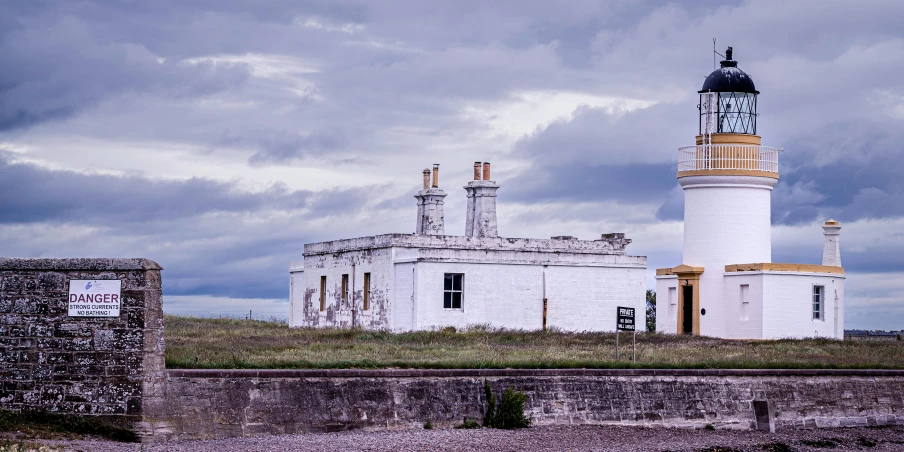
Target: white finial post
(831, 251)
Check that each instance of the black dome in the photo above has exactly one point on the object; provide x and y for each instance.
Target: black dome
(729, 78)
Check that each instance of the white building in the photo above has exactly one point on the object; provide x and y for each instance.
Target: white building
(727, 285)
(427, 279)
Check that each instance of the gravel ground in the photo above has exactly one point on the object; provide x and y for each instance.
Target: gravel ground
(546, 438)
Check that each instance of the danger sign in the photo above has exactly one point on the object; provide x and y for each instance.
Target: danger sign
(94, 298)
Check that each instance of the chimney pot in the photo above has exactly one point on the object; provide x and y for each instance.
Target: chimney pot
(426, 178)
(477, 170)
(436, 175)
(486, 170)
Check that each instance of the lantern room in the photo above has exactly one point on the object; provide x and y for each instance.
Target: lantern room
(728, 100)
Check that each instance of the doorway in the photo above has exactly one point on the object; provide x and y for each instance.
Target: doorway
(687, 309)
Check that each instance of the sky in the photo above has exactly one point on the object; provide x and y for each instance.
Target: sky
(218, 137)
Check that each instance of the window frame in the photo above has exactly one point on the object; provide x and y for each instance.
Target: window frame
(366, 291)
(343, 298)
(452, 291)
(818, 308)
(744, 297)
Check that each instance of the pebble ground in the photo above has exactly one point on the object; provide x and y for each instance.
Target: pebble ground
(543, 438)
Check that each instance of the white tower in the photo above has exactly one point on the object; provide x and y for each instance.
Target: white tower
(727, 178)
(727, 284)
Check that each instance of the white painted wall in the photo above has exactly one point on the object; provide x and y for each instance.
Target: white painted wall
(306, 300)
(503, 295)
(787, 305)
(737, 327)
(403, 293)
(667, 304)
(726, 221)
(511, 296)
(585, 298)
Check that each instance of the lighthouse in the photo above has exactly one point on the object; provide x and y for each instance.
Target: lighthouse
(727, 284)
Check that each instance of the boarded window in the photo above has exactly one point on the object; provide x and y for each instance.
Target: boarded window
(366, 291)
(323, 293)
(344, 296)
(673, 302)
(817, 302)
(745, 301)
(453, 290)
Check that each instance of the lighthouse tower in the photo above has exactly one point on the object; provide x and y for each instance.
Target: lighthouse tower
(727, 178)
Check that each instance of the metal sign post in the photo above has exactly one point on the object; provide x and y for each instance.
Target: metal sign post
(624, 321)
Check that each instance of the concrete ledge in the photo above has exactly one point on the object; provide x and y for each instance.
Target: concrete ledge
(67, 264)
(417, 373)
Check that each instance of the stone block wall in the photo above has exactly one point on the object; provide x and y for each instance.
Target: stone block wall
(100, 366)
(229, 403)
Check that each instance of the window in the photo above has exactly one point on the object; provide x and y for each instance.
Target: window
(366, 291)
(745, 301)
(344, 296)
(323, 293)
(673, 302)
(817, 302)
(453, 290)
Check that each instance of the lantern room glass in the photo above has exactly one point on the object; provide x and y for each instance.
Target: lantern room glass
(728, 112)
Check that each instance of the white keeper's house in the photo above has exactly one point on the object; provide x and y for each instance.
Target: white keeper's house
(727, 285)
(428, 279)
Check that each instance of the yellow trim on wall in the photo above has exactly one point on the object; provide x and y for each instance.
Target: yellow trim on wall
(732, 138)
(727, 172)
(688, 275)
(768, 266)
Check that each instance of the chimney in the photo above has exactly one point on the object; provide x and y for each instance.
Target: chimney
(430, 217)
(831, 249)
(481, 215)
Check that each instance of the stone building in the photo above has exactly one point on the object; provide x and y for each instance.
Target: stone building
(428, 279)
(727, 285)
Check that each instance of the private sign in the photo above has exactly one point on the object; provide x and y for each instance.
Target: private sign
(625, 319)
(95, 298)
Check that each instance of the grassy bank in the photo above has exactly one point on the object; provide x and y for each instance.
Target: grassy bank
(235, 344)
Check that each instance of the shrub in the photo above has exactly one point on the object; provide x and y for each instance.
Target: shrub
(428, 425)
(509, 414)
(468, 424)
(488, 419)
(709, 427)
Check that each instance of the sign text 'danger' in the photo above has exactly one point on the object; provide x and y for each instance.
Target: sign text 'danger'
(95, 298)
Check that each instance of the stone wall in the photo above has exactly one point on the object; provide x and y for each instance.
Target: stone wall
(226, 403)
(102, 366)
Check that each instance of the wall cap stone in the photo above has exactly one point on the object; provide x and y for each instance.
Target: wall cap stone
(69, 264)
(416, 373)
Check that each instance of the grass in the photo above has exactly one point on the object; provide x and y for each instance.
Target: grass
(38, 424)
(251, 344)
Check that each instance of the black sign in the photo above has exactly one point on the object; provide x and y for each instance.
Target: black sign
(625, 319)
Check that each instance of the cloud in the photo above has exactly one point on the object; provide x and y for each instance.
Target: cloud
(218, 137)
(62, 67)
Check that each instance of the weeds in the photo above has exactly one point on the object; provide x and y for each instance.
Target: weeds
(468, 424)
(509, 414)
(51, 425)
(236, 344)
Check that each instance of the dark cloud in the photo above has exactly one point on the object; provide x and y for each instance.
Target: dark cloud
(57, 65)
(382, 87)
(282, 147)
